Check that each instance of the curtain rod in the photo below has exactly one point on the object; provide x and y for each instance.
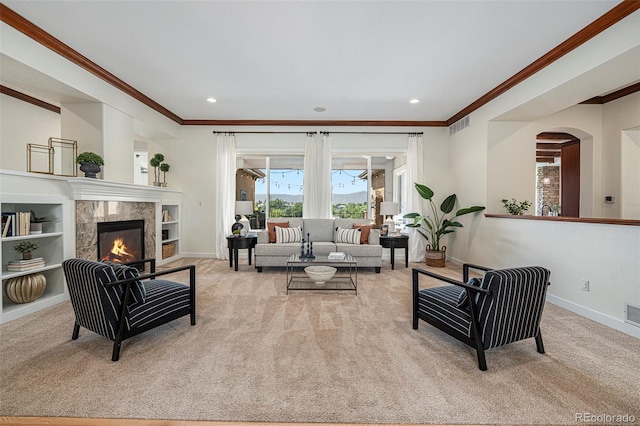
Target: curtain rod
(323, 132)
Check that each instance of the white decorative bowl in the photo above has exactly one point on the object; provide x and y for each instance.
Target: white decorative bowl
(320, 274)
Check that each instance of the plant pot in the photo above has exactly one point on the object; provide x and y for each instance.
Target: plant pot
(35, 228)
(90, 169)
(27, 255)
(26, 288)
(435, 257)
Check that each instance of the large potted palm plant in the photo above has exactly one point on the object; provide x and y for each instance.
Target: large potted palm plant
(437, 224)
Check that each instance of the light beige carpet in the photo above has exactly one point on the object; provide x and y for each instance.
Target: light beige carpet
(257, 354)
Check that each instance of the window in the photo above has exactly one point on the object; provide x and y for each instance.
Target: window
(275, 184)
(349, 189)
(359, 183)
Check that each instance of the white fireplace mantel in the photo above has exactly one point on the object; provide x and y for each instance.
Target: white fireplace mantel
(86, 189)
(97, 189)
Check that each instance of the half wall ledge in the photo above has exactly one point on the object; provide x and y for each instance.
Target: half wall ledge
(600, 220)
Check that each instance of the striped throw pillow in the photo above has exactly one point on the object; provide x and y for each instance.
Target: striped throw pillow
(462, 298)
(288, 235)
(348, 236)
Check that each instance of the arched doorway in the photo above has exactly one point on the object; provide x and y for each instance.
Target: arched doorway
(558, 164)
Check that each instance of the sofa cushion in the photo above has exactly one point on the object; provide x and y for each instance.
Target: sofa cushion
(288, 235)
(278, 250)
(272, 231)
(363, 250)
(318, 229)
(366, 230)
(323, 247)
(349, 236)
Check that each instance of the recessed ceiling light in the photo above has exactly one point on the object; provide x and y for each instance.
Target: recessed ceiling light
(319, 109)
(414, 101)
(212, 100)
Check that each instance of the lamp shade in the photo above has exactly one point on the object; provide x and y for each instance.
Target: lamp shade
(244, 207)
(388, 208)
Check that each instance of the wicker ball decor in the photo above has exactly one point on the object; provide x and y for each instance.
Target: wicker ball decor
(26, 288)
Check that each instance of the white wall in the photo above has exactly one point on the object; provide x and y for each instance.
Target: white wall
(118, 145)
(193, 170)
(618, 116)
(607, 255)
(22, 123)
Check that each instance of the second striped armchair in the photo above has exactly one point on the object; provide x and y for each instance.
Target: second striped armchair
(503, 307)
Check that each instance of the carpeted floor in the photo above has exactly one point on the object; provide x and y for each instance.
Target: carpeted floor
(257, 354)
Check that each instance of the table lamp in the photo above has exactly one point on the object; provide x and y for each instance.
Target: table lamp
(389, 209)
(244, 208)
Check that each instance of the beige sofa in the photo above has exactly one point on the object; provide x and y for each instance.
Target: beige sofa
(321, 233)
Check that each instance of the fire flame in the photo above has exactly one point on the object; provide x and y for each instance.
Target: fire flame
(119, 249)
(119, 252)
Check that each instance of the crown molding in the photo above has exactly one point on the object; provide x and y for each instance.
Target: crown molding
(599, 100)
(613, 16)
(616, 14)
(31, 30)
(337, 123)
(29, 99)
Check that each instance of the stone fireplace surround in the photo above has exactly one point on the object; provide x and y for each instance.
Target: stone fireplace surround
(103, 201)
(89, 213)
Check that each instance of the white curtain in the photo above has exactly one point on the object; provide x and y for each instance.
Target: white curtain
(317, 177)
(415, 173)
(225, 192)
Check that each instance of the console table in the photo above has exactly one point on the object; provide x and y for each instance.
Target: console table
(394, 242)
(236, 243)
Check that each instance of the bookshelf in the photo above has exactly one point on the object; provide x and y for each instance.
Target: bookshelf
(170, 232)
(51, 247)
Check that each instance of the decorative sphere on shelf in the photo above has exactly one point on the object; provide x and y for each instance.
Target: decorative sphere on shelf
(243, 232)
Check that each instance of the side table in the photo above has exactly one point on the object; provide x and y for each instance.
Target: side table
(394, 242)
(237, 243)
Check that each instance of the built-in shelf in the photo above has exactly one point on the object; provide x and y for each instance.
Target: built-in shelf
(51, 244)
(170, 232)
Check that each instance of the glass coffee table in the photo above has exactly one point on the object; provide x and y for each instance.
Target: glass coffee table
(298, 280)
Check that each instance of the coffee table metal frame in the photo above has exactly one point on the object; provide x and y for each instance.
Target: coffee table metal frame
(349, 262)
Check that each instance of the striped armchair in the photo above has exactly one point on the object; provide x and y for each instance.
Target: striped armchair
(503, 307)
(116, 302)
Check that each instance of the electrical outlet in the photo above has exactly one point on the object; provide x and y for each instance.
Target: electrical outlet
(585, 285)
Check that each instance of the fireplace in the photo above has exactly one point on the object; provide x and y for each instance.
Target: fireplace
(121, 241)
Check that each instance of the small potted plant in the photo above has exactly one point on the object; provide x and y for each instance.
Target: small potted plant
(36, 223)
(164, 168)
(90, 163)
(516, 207)
(155, 162)
(26, 247)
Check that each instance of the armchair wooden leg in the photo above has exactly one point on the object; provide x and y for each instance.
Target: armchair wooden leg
(482, 361)
(116, 350)
(76, 331)
(415, 286)
(539, 344)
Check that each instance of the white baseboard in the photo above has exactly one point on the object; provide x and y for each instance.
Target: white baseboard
(596, 316)
(199, 255)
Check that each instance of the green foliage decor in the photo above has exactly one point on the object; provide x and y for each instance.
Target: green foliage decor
(90, 157)
(25, 247)
(436, 223)
(516, 207)
(36, 219)
(157, 162)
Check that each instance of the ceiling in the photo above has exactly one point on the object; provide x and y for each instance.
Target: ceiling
(278, 60)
